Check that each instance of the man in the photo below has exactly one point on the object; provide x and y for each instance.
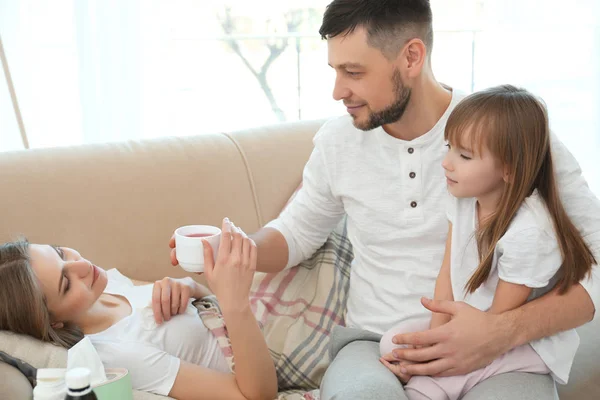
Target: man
(381, 166)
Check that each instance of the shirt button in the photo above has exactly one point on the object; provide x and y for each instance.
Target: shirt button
(412, 175)
(411, 150)
(413, 204)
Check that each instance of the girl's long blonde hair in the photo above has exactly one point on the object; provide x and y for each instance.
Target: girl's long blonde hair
(513, 125)
(22, 304)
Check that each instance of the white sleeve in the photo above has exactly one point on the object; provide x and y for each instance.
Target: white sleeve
(582, 206)
(529, 257)
(151, 369)
(314, 212)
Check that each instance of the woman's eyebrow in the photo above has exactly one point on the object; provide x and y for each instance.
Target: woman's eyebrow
(62, 276)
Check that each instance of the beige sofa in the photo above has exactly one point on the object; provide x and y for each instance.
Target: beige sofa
(119, 203)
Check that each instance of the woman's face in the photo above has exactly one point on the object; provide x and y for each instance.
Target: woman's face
(71, 284)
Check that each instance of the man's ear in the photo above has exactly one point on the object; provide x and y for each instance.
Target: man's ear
(414, 57)
(57, 325)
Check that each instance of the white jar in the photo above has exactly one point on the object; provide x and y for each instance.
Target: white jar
(50, 384)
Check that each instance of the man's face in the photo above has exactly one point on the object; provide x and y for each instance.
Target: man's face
(369, 84)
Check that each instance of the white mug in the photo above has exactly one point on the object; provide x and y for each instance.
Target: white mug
(189, 246)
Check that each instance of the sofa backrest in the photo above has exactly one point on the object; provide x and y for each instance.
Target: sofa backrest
(119, 203)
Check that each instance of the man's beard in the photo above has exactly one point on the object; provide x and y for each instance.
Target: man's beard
(393, 112)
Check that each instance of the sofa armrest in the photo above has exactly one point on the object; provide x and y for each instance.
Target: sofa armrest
(13, 384)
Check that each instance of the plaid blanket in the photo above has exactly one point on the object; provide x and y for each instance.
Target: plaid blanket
(296, 309)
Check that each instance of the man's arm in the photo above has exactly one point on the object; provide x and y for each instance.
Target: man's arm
(306, 222)
(272, 250)
(549, 314)
(473, 338)
(583, 208)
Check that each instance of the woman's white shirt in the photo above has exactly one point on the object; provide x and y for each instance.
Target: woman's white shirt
(152, 352)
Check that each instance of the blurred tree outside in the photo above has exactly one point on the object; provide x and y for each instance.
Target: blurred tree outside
(280, 32)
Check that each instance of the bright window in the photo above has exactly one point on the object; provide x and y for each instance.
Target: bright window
(94, 71)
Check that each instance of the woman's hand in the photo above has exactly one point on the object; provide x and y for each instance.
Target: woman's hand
(230, 276)
(170, 297)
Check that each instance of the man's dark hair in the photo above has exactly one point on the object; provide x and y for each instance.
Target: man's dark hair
(389, 23)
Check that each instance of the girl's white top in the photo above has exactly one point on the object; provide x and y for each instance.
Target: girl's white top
(528, 254)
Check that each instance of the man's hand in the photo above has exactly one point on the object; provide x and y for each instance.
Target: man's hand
(471, 340)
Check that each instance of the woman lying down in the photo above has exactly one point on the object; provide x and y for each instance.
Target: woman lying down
(58, 296)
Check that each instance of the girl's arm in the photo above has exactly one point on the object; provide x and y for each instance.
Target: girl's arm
(443, 285)
(509, 296)
(527, 258)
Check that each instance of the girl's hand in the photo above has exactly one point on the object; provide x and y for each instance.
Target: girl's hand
(170, 297)
(396, 366)
(230, 277)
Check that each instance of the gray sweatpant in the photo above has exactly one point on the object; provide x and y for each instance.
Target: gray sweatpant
(356, 374)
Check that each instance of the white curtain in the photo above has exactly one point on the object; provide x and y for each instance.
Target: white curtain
(89, 71)
(75, 68)
(107, 34)
(40, 45)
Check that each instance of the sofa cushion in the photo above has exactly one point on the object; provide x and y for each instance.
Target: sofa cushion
(275, 156)
(33, 351)
(26, 369)
(124, 200)
(13, 384)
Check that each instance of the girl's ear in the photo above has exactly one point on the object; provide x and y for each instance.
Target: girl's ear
(506, 176)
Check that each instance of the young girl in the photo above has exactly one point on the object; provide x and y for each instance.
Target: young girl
(56, 295)
(509, 238)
